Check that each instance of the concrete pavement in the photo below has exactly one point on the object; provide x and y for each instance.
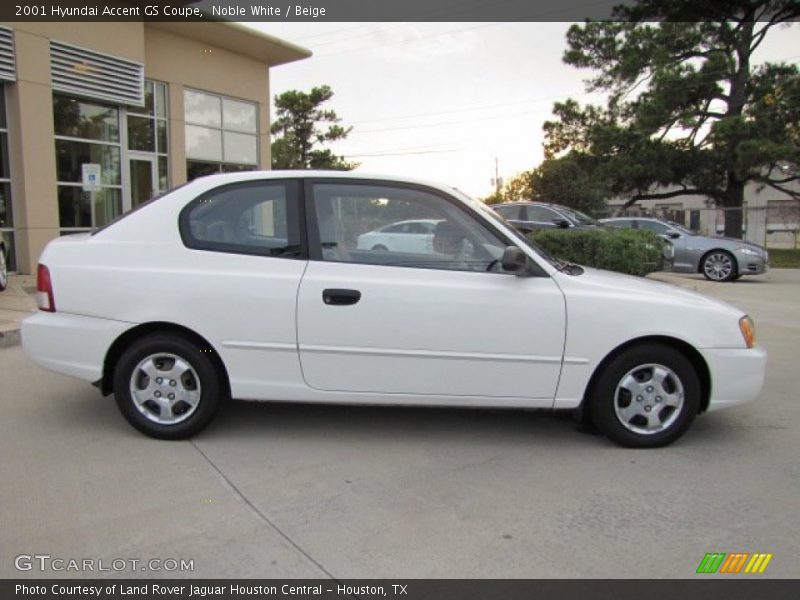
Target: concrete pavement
(277, 490)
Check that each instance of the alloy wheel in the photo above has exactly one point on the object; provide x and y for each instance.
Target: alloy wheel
(165, 388)
(648, 399)
(718, 266)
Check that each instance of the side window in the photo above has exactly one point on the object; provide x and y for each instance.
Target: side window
(510, 212)
(258, 217)
(621, 223)
(540, 214)
(353, 221)
(653, 226)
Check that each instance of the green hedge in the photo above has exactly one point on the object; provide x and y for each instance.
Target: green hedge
(635, 252)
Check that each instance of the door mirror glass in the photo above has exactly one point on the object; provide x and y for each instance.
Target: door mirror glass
(514, 260)
(562, 223)
(674, 235)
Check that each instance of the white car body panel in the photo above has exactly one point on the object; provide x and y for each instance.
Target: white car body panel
(423, 337)
(426, 331)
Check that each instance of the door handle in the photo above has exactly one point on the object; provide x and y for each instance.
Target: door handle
(337, 297)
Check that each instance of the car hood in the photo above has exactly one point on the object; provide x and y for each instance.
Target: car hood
(609, 283)
(734, 241)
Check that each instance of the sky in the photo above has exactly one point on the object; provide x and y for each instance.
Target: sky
(443, 101)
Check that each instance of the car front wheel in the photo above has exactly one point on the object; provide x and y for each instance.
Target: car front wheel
(719, 265)
(167, 387)
(646, 397)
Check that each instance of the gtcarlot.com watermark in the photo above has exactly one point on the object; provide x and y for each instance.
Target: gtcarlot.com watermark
(57, 564)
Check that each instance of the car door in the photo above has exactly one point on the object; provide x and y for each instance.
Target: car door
(433, 322)
(237, 283)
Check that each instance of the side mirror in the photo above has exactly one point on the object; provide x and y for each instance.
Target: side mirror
(562, 223)
(514, 260)
(673, 235)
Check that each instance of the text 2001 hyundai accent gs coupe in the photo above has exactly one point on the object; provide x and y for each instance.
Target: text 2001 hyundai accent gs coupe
(253, 286)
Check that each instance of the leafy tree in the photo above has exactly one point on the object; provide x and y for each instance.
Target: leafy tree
(303, 127)
(572, 180)
(518, 188)
(495, 197)
(687, 113)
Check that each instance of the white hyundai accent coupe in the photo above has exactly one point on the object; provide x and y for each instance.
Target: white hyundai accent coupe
(253, 286)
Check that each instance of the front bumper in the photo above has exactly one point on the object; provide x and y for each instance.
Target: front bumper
(750, 264)
(70, 344)
(737, 375)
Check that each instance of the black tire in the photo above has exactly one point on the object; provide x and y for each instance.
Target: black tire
(713, 255)
(606, 400)
(3, 268)
(202, 376)
(380, 248)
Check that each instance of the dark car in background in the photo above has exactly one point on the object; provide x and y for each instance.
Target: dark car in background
(533, 216)
(718, 258)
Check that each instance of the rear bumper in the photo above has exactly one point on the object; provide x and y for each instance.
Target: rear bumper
(70, 344)
(737, 375)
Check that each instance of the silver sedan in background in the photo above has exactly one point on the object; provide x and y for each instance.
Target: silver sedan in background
(718, 258)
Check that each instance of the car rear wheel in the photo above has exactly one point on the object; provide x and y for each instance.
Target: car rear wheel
(719, 265)
(3, 269)
(380, 248)
(167, 387)
(646, 397)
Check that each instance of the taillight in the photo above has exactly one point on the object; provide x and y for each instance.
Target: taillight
(44, 290)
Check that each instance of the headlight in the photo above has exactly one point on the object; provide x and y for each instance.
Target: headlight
(750, 251)
(748, 329)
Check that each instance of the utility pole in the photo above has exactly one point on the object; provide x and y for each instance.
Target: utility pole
(497, 181)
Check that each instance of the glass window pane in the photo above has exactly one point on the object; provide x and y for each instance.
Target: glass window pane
(161, 136)
(540, 214)
(231, 168)
(74, 206)
(141, 134)
(77, 118)
(6, 216)
(241, 148)
(353, 220)
(202, 109)
(203, 143)
(195, 169)
(107, 206)
(149, 100)
(74, 209)
(253, 217)
(161, 100)
(239, 116)
(4, 172)
(71, 155)
(163, 176)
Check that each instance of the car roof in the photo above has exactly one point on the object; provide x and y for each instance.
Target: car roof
(222, 178)
(530, 203)
(639, 219)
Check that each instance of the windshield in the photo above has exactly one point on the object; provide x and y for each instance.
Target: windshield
(681, 228)
(578, 216)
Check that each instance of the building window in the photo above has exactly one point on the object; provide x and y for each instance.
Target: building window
(86, 132)
(221, 134)
(130, 144)
(6, 214)
(147, 145)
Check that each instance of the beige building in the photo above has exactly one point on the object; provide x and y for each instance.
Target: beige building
(152, 104)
